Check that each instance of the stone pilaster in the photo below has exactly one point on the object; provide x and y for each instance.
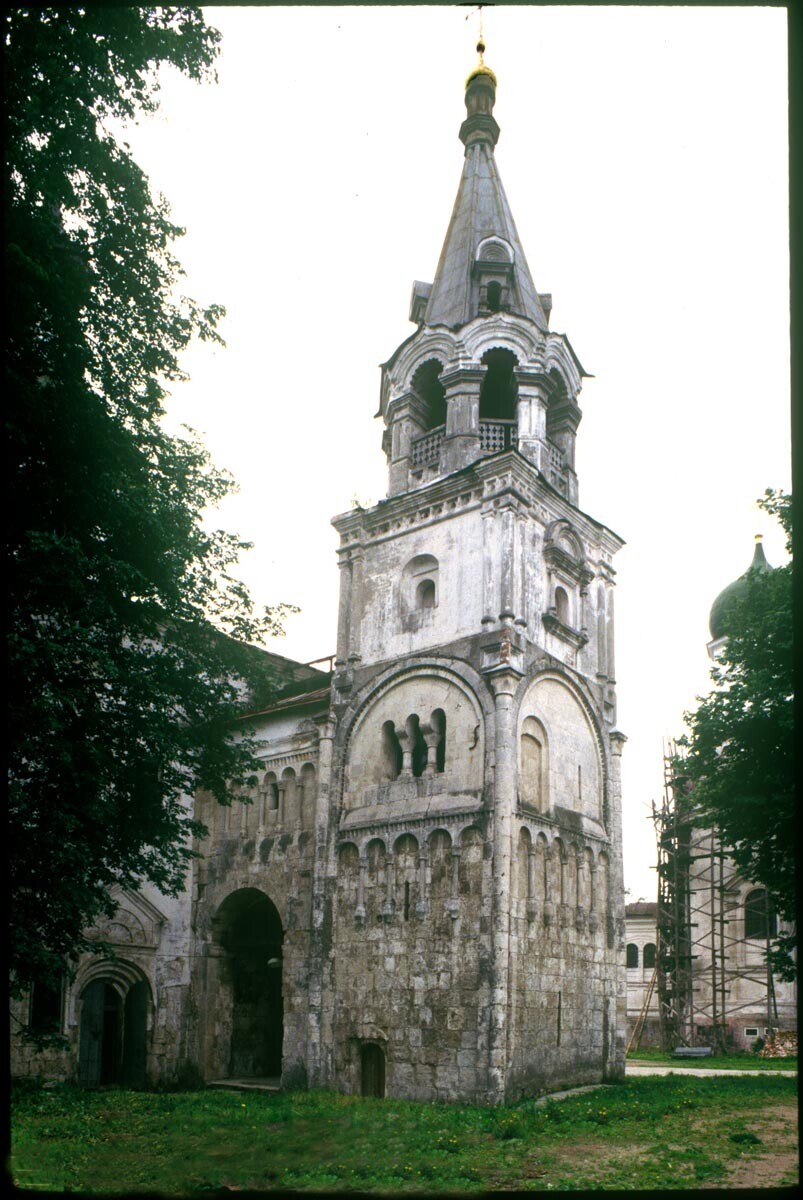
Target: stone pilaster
(614, 1067)
(504, 682)
(319, 1035)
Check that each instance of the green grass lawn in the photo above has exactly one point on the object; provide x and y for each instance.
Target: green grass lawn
(673, 1132)
(736, 1062)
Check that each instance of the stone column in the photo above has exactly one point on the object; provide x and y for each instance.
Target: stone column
(521, 570)
(421, 906)
(343, 609)
(563, 906)
(490, 590)
(462, 442)
(390, 891)
(531, 413)
(614, 1069)
(610, 638)
(549, 905)
(355, 619)
(359, 911)
(504, 682)
(580, 915)
(532, 905)
(406, 743)
(593, 916)
(453, 903)
(431, 737)
(319, 1039)
(508, 518)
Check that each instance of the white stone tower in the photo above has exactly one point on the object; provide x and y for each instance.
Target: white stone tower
(469, 888)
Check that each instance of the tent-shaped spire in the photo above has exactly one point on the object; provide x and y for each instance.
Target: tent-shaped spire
(481, 212)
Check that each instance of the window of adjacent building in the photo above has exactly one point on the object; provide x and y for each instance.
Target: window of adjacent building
(632, 955)
(757, 922)
(751, 1031)
(649, 955)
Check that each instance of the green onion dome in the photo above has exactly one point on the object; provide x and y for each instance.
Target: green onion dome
(734, 591)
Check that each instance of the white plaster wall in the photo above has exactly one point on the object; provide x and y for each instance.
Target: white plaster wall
(457, 545)
(572, 744)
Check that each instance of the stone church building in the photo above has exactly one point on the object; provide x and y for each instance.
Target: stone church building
(424, 896)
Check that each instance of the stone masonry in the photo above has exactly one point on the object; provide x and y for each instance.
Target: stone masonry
(423, 897)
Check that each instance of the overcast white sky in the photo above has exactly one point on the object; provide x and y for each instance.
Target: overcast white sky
(644, 154)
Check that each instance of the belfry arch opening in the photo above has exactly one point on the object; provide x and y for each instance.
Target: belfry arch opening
(499, 392)
(249, 930)
(429, 388)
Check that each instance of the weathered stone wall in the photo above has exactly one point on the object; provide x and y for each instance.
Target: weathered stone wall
(412, 947)
(149, 935)
(267, 845)
(563, 954)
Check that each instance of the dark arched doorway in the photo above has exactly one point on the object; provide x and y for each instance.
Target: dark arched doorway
(112, 1040)
(249, 929)
(101, 1034)
(372, 1070)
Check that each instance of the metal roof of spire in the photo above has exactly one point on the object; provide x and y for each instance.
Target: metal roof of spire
(481, 210)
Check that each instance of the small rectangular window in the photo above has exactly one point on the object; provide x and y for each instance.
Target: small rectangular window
(751, 1031)
(45, 1007)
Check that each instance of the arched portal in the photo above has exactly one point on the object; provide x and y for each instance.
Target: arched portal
(101, 1034)
(113, 1030)
(249, 929)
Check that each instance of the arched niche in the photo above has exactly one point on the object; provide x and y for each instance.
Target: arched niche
(534, 765)
(574, 777)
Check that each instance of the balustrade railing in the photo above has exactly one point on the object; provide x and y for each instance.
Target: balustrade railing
(494, 436)
(427, 448)
(498, 435)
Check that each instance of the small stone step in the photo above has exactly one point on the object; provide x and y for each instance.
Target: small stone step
(247, 1085)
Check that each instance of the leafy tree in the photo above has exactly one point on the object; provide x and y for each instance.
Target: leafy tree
(739, 752)
(127, 633)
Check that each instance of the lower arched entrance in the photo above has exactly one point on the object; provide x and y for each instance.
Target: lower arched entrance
(112, 1040)
(249, 929)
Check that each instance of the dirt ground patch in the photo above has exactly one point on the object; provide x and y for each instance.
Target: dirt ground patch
(773, 1163)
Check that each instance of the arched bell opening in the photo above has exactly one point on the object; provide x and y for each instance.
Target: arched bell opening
(499, 392)
(427, 386)
(248, 929)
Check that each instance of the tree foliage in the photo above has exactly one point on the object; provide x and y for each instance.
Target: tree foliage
(739, 752)
(127, 633)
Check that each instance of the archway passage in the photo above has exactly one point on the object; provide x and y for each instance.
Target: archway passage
(372, 1070)
(250, 931)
